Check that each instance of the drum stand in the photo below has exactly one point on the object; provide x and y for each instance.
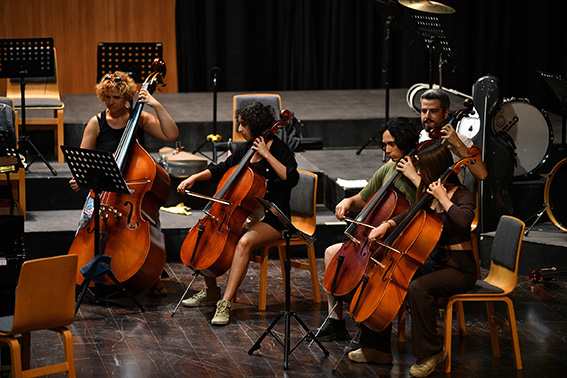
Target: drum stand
(539, 215)
(287, 314)
(559, 86)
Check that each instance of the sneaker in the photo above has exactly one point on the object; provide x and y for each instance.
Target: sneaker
(206, 297)
(222, 314)
(332, 330)
(425, 366)
(366, 354)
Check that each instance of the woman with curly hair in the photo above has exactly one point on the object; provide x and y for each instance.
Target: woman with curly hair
(276, 162)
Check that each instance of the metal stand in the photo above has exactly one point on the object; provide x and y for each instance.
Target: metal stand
(429, 28)
(538, 215)
(559, 86)
(23, 58)
(287, 314)
(394, 11)
(214, 137)
(97, 170)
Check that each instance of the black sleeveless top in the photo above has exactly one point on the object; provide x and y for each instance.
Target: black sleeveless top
(109, 138)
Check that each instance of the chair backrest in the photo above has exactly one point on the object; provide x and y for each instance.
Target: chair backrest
(267, 99)
(304, 202)
(505, 253)
(45, 296)
(8, 116)
(41, 92)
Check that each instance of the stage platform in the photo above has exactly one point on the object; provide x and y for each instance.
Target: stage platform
(344, 120)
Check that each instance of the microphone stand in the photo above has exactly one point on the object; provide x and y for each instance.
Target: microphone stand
(214, 137)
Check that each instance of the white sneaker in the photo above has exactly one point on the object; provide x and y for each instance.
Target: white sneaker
(222, 314)
(425, 366)
(206, 297)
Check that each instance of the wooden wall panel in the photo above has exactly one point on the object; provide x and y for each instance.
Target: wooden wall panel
(77, 26)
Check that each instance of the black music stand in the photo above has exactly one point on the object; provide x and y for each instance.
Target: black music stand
(429, 28)
(98, 171)
(287, 314)
(135, 59)
(10, 161)
(23, 58)
(214, 137)
(559, 86)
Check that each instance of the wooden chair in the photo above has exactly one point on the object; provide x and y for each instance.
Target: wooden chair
(42, 94)
(45, 299)
(17, 179)
(499, 283)
(304, 218)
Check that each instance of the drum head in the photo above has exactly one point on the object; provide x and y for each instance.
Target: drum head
(469, 125)
(555, 197)
(531, 131)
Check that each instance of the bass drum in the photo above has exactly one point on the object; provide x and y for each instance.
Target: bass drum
(531, 131)
(555, 197)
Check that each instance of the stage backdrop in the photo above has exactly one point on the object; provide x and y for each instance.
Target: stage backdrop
(339, 44)
(77, 26)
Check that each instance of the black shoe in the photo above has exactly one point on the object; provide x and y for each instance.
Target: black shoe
(332, 330)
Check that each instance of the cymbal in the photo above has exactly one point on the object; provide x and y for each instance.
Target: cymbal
(427, 6)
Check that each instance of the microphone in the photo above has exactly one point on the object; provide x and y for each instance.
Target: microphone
(215, 71)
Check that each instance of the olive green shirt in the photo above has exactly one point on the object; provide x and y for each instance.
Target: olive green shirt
(381, 176)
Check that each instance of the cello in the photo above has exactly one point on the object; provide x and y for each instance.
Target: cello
(129, 223)
(209, 246)
(392, 265)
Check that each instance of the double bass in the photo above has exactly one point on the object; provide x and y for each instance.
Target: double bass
(392, 265)
(209, 246)
(129, 230)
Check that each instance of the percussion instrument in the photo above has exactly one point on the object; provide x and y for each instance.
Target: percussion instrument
(554, 195)
(427, 6)
(529, 128)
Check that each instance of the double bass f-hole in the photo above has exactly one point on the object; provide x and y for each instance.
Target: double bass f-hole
(130, 212)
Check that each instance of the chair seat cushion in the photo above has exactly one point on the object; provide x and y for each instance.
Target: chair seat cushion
(6, 323)
(483, 287)
(38, 103)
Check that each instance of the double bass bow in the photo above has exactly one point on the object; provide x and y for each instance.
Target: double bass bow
(129, 225)
(209, 246)
(392, 265)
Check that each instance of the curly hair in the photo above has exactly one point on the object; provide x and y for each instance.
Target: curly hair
(404, 131)
(257, 117)
(119, 80)
(433, 162)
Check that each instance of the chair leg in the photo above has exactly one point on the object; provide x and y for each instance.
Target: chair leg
(314, 274)
(263, 279)
(493, 329)
(67, 339)
(448, 334)
(16, 355)
(514, 333)
(461, 318)
(60, 136)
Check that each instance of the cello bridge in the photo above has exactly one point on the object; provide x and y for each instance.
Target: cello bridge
(352, 238)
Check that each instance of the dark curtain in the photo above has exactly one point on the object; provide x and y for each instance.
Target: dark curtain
(340, 44)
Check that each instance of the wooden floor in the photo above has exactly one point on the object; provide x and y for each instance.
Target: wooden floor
(113, 341)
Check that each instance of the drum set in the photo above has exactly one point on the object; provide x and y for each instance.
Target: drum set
(530, 131)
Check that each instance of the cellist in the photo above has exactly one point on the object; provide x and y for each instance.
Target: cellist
(104, 130)
(450, 270)
(397, 138)
(276, 162)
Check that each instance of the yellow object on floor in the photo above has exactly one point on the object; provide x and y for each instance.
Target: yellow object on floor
(180, 208)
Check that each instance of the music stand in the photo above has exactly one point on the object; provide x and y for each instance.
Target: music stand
(429, 28)
(559, 86)
(287, 314)
(23, 58)
(135, 59)
(98, 171)
(10, 161)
